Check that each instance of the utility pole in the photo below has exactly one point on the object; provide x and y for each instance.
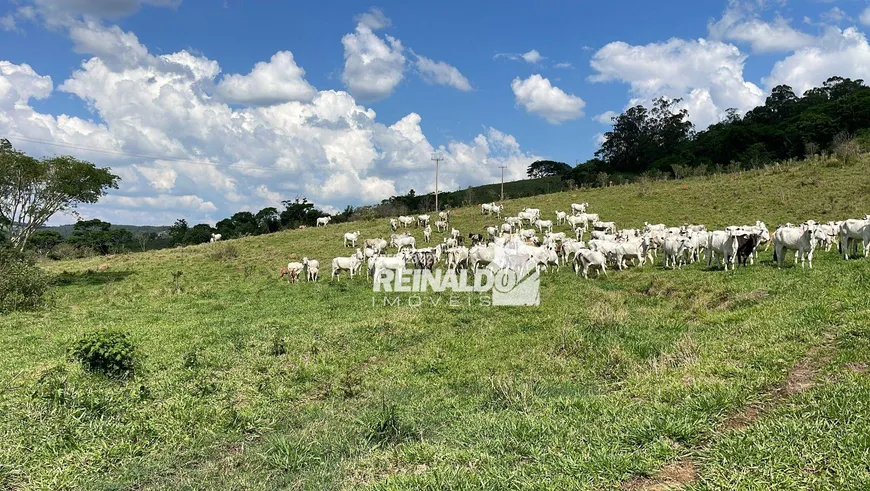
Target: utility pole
(437, 158)
(502, 167)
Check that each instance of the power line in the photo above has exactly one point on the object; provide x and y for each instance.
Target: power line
(133, 155)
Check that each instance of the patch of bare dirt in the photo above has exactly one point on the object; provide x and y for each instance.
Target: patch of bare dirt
(857, 367)
(673, 476)
(801, 377)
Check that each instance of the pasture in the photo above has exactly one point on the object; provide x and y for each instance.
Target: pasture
(650, 377)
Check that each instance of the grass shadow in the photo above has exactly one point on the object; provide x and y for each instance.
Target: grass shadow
(90, 278)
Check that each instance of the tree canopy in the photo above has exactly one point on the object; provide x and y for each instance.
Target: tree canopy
(661, 139)
(547, 168)
(33, 190)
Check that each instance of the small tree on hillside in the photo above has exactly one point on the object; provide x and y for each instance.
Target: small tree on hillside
(32, 191)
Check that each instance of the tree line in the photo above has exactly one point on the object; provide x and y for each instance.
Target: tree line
(661, 141)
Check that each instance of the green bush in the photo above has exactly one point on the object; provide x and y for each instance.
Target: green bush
(65, 251)
(223, 252)
(22, 283)
(108, 351)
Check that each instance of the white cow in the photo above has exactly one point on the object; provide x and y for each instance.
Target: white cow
(852, 229)
(492, 231)
(724, 244)
(444, 215)
(441, 226)
(395, 263)
(376, 244)
(528, 234)
(422, 220)
(322, 221)
(697, 244)
(395, 237)
(406, 221)
(650, 227)
(536, 212)
(403, 242)
(394, 224)
(801, 239)
(605, 247)
(544, 224)
(633, 249)
(577, 208)
(455, 233)
(215, 237)
(577, 222)
(490, 208)
(351, 237)
(607, 227)
(586, 258)
(481, 254)
(830, 232)
(507, 228)
(350, 264)
(457, 256)
(526, 216)
(312, 268)
(561, 216)
(570, 248)
(673, 249)
(427, 234)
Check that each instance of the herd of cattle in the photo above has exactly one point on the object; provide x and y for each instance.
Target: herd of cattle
(607, 246)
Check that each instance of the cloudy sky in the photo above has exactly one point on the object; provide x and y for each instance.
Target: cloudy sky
(208, 108)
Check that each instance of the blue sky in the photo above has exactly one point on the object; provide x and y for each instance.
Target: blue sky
(358, 96)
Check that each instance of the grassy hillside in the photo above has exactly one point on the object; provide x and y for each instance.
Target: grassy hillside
(697, 378)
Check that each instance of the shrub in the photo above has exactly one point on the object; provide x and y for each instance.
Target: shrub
(387, 426)
(64, 251)
(108, 351)
(22, 283)
(223, 252)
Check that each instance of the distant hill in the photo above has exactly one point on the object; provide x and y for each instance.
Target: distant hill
(66, 230)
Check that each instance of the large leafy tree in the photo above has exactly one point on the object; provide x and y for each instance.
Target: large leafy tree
(547, 168)
(178, 231)
(99, 236)
(244, 223)
(43, 241)
(640, 137)
(198, 234)
(33, 190)
(268, 220)
(299, 212)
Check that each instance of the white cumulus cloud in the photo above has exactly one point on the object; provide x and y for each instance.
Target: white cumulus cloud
(181, 152)
(439, 72)
(606, 117)
(707, 75)
(539, 96)
(272, 82)
(373, 66)
(843, 53)
(532, 56)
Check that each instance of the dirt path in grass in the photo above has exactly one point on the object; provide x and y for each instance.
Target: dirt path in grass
(803, 376)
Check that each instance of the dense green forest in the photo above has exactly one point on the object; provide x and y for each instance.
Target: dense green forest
(661, 141)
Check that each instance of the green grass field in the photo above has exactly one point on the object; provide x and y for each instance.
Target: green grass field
(694, 378)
